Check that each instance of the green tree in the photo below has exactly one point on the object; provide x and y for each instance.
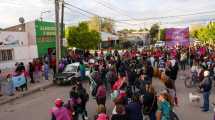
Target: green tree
(131, 30)
(154, 32)
(146, 29)
(83, 27)
(142, 30)
(205, 34)
(194, 34)
(82, 37)
(162, 34)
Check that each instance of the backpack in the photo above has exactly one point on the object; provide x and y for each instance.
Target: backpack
(102, 116)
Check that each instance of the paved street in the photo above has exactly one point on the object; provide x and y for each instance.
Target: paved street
(37, 105)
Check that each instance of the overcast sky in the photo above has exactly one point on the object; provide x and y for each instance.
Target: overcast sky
(132, 10)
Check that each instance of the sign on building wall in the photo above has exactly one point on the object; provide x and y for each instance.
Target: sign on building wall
(13, 39)
(45, 31)
(45, 36)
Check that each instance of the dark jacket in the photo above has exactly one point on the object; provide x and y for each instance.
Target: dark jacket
(172, 72)
(82, 93)
(150, 103)
(206, 85)
(119, 117)
(149, 71)
(131, 77)
(134, 111)
(175, 71)
(141, 85)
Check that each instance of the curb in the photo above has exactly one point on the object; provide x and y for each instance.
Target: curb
(27, 93)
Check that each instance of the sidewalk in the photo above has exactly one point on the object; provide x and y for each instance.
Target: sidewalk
(31, 89)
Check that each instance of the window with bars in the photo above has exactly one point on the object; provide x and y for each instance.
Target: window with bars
(6, 55)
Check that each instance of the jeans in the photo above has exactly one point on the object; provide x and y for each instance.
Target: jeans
(206, 96)
(46, 74)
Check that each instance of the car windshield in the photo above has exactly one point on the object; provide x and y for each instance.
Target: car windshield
(71, 69)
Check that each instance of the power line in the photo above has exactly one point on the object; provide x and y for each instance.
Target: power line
(78, 12)
(122, 21)
(172, 16)
(190, 21)
(94, 14)
(184, 22)
(81, 9)
(112, 9)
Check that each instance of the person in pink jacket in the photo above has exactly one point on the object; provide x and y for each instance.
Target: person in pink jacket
(59, 112)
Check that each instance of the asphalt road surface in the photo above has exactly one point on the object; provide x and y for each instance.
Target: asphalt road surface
(37, 106)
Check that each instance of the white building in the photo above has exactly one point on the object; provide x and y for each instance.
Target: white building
(15, 47)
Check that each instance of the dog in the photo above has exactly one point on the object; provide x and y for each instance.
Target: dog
(194, 98)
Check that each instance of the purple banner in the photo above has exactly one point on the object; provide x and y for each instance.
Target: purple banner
(177, 36)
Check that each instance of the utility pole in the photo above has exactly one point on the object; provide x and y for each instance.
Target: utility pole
(62, 27)
(57, 33)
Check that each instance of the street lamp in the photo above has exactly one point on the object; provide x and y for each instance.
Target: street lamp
(43, 12)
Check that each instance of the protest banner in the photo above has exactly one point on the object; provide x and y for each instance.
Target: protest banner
(18, 80)
(177, 36)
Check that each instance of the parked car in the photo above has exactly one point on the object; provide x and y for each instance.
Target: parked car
(70, 75)
(159, 44)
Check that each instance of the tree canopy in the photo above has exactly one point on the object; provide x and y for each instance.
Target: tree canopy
(154, 32)
(205, 34)
(162, 34)
(81, 37)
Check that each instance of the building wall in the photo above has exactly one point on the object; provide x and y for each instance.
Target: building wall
(21, 51)
(23, 54)
(30, 29)
(13, 39)
(94, 23)
(17, 28)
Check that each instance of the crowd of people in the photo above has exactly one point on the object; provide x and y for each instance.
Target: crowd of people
(32, 73)
(127, 77)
